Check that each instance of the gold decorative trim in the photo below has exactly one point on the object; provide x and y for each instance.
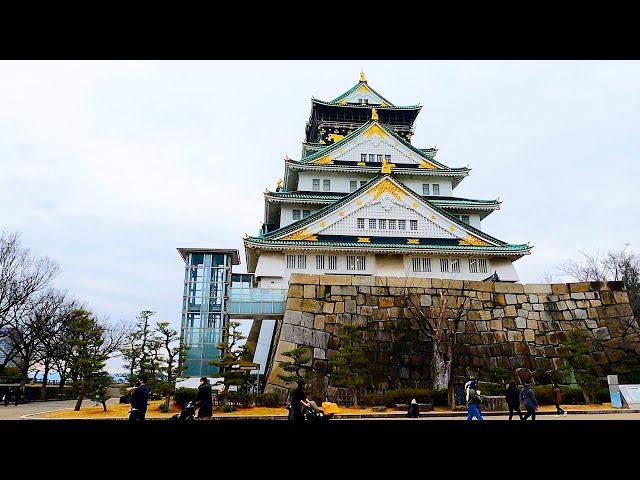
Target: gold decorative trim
(322, 224)
(324, 161)
(359, 202)
(384, 104)
(415, 205)
(375, 130)
(364, 240)
(335, 137)
(425, 164)
(471, 240)
(341, 214)
(361, 164)
(433, 217)
(387, 186)
(301, 235)
(413, 241)
(386, 168)
(362, 88)
(342, 102)
(452, 228)
(374, 114)
(362, 79)
(321, 142)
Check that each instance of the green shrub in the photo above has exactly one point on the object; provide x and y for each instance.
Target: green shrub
(228, 408)
(271, 399)
(371, 399)
(183, 395)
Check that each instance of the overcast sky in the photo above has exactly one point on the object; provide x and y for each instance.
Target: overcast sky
(109, 166)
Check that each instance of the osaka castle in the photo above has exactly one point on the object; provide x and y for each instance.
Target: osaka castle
(363, 200)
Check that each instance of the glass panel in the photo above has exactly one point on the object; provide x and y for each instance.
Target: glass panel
(278, 307)
(197, 259)
(207, 259)
(218, 261)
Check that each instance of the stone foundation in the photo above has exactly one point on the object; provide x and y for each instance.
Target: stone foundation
(512, 326)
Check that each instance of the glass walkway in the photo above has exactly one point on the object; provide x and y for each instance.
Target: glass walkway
(256, 301)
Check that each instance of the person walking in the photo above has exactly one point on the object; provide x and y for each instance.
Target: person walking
(530, 403)
(204, 399)
(473, 401)
(414, 409)
(512, 396)
(298, 401)
(556, 395)
(17, 395)
(139, 398)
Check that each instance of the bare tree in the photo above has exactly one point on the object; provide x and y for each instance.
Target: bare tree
(440, 322)
(55, 310)
(622, 265)
(21, 274)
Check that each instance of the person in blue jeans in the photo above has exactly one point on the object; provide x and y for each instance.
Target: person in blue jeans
(473, 401)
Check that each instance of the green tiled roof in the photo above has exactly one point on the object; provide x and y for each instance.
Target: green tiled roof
(337, 196)
(515, 248)
(355, 87)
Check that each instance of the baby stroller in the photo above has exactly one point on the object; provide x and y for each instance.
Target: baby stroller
(188, 412)
(325, 412)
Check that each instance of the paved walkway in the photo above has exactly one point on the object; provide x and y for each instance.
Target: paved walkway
(25, 411)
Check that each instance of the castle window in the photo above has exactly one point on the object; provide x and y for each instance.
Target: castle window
(444, 264)
(326, 185)
(333, 262)
(379, 158)
(392, 224)
(421, 264)
(425, 189)
(363, 182)
(478, 265)
(402, 224)
(372, 157)
(316, 184)
(363, 157)
(436, 189)
(291, 261)
(455, 265)
(366, 101)
(361, 223)
(296, 214)
(372, 223)
(319, 262)
(413, 224)
(306, 213)
(302, 261)
(382, 224)
(464, 218)
(355, 262)
(387, 158)
(353, 185)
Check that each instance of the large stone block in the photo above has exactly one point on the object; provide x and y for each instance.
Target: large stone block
(505, 287)
(335, 279)
(538, 288)
(559, 288)
(303, 278)
(295, 291)
(309, 291)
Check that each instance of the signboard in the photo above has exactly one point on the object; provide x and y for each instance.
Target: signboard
(630, 395)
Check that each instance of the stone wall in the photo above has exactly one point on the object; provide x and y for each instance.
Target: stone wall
(512, 326)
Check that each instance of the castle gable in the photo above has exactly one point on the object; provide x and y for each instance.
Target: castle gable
(372, 143)
(384, 208)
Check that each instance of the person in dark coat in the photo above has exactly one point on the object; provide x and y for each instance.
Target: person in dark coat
(204, 399)
(530, 403)
(139, 398)
(414, 409)
(17, 395)
(512, 396)
(299, 401)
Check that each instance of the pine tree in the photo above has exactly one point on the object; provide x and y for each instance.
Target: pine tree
(349, 367)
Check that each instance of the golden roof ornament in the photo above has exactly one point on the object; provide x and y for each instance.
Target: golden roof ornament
(374, 114)
(386, 168)
(362, 79)
(279, 185)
